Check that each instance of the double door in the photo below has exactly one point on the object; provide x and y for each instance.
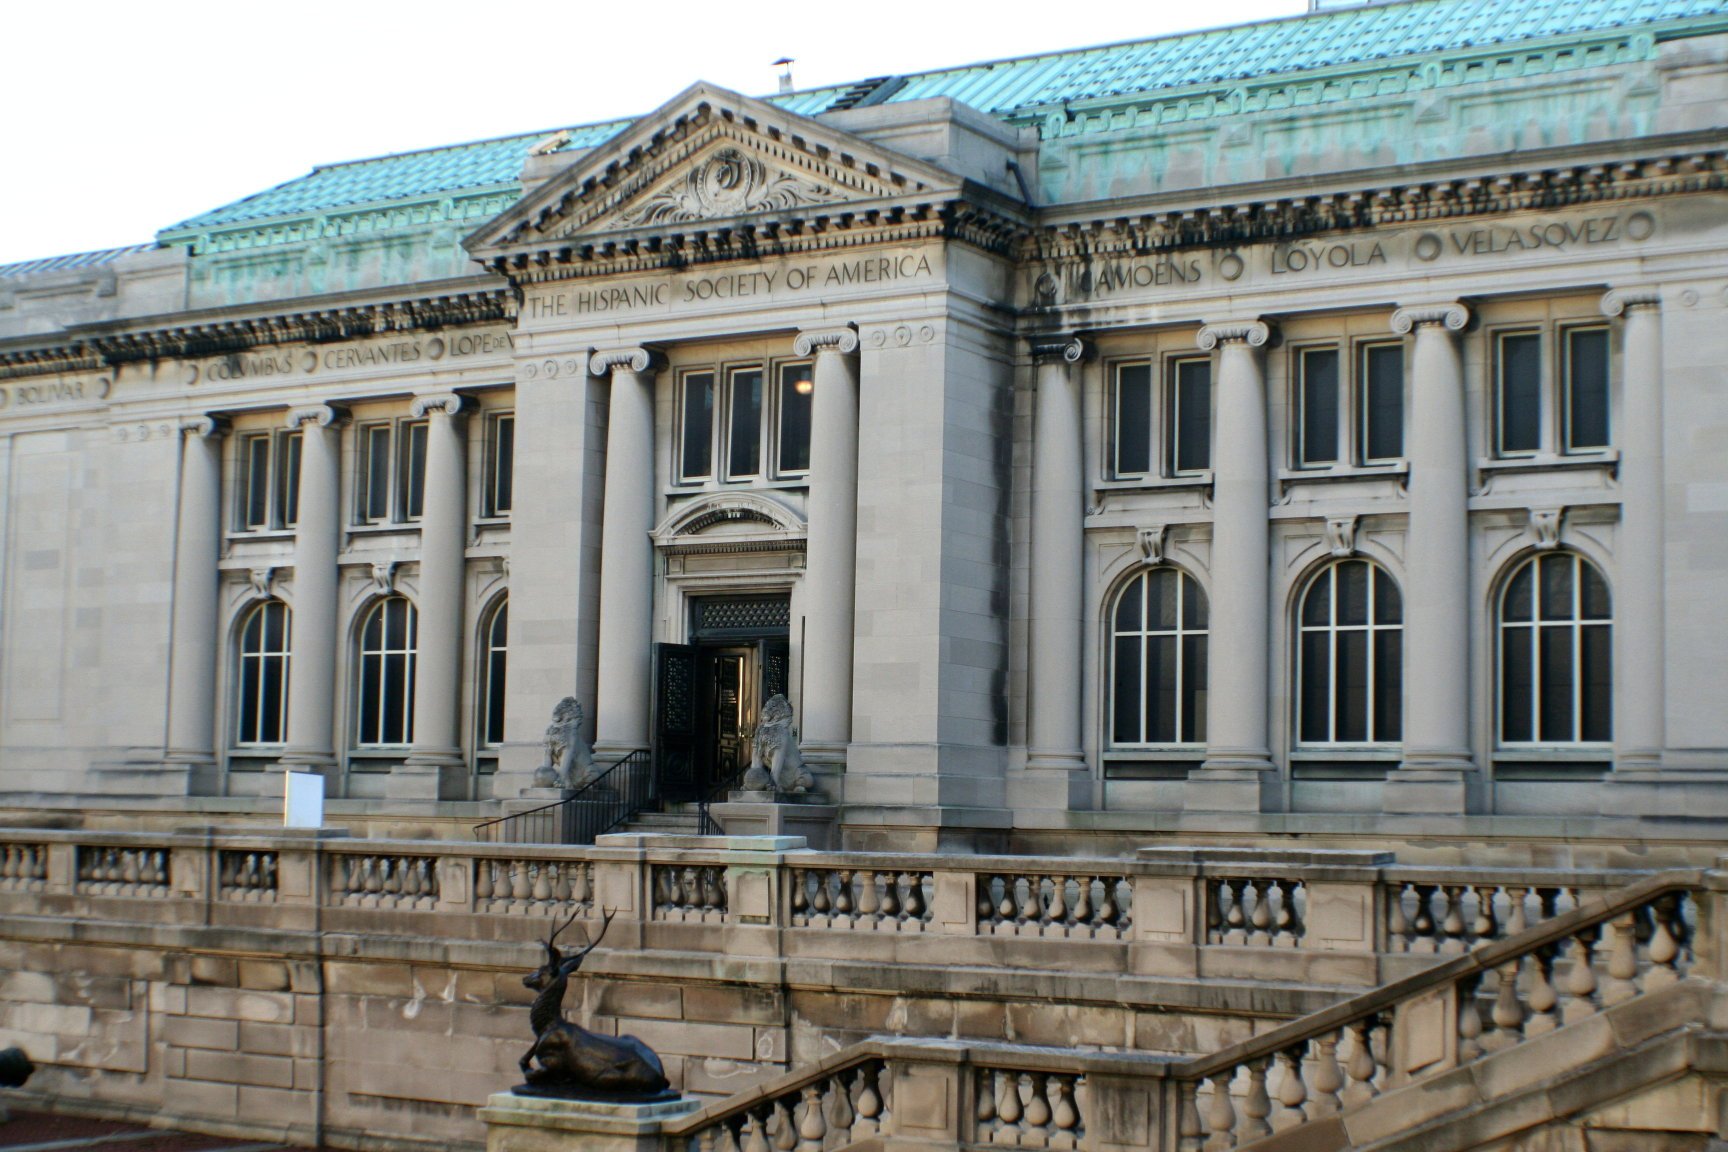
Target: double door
(708, 696)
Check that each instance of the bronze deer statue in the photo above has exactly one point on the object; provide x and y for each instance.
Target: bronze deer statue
(572, 1060)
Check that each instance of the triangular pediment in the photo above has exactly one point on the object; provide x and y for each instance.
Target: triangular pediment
(710, 158)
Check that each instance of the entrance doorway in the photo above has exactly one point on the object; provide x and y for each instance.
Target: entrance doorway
(708, 693)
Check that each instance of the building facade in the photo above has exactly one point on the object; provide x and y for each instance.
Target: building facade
(1312, 427)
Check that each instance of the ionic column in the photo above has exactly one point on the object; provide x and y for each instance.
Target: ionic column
(312, 670)
(830, 565)
(194, 641)
(1436, 571)
(434, 768)
(1236, 774)
(1058, 530)
(626, 554)
(1639, 724)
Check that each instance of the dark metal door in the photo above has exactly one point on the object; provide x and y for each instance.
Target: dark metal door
(676, 686)
(774, 658)
(727, 699)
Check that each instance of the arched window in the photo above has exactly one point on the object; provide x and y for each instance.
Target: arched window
(263, 675)
(1158, 660)
(387, 642)
(1350, 657)
(493, 666)
(1556, 668)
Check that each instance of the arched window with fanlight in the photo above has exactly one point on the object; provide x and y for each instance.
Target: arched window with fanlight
(1350, 657)
(1158, 636)
(261, 680)
(1556, 663)
(494, 664)
(388, 639)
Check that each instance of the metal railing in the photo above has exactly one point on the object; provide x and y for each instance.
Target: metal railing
(625, 788)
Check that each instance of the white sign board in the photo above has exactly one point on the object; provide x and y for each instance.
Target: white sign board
(302, 800)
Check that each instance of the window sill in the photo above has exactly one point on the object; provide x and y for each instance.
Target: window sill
(1361, 753)
(384, 529)
(1156, 752)
(704, 487)
(1390, 468)
(261, 535)
(1548, 462)
(1197, 480)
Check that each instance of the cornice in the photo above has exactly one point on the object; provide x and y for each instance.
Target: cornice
(1293, 211)
(92, 347)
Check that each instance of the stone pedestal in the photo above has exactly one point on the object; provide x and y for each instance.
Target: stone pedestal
(542, 1124)
(769, 813)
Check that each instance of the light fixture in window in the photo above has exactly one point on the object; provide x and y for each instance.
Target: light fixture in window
(804, 387)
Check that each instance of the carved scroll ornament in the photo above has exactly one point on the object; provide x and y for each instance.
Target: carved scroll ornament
(730, 183)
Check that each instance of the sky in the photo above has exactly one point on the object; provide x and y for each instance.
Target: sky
(118, 118)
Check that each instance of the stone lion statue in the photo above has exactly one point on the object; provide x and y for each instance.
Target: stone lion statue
(569, 762)
(775, 761)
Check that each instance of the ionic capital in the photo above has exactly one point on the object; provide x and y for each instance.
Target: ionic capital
(842, 340)
(204, 427)
(1253, 333)
(441, 403)
(1619, 301)
(1051, 349)
(323, 415)
(604, 361)
(1452, 317)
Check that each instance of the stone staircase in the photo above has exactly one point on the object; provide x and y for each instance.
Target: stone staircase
(678, 820)
(1603, 1029)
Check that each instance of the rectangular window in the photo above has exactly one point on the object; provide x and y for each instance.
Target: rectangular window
(797, 397)
(744, 424)
(696, 427)
(411, 470)
(1586, 388)
(1518, 371)
(500, 464)
(1380, 393)
(288, 480)
(1188, 434)
(1317, 401)
(1133, 420)
(254, 500)
(375, 472)
(267, 469)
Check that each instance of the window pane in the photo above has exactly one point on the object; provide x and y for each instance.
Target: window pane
(697, 458)
(797, 394)
(1556, 671)
(1193, 688)
(1517, 603)
(1125, 728)
(395, 702)
(375, 502)
(275, 618)
(1388, 685)
(1353, 591)
(1161, 598)
(372, 635)
(503, 464)
(1192, 451)
(744, 434)
(255, 503)
(1516, 685)
(1316, 685)
(1587, 388)
(1383, 402)
(1193, 604)
(1351, 688)
(1388, 601)
(370, 692)
(1319, 403)
(1555, 573)
(1317, 605)
(1597, 696)
(288, 482)
(272, 717)
(1161, 689)
(1593, 593)
(414, 472)
(1133, 419)
(251, 675)
(1520, 392)
(1128, 607)
(495, 674)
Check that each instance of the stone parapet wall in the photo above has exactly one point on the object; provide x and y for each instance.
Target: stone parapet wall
(318, 987)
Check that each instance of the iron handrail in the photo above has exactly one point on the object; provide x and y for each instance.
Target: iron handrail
(613, 797)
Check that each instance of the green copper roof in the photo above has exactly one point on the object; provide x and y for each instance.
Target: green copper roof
(1019, 88)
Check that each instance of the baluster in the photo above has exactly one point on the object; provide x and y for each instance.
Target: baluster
(1284, 923)
(812, 1125)
(1030, 903)
(685, 892)
(1397, 924)
(714, 890)
(371, 880)
(520, 885)
(129, 868)
(1064, 1115)
(985, 1117)
(1665, 936)
(869, 1106)
(482, 884)
(1260, 919)
(912, 907)
(581, 886)
(837, 1109)
(869, 900)
(1008, 1109)
(249, 877)
(1516, 921)
(892, 904)
(1507, 1013)
(1189, 1130)
(9, 866)
(1469, 1020)
(1082, 910)
(1292, 1092)
(1328, 1077)
(561, 883)
(1221, 1116)
(541, 892)
(1581, 980)
(843, 896)
(1036, 1122)
(1257, 1105)
(800, 898)
(428, 882)
(1109, 910)
(781, 1129)
(986, 899)
(1486, 927)
(1361, 1066)
(1542, 997)
(822, 904)
(1056, 910)
(754, 1138)
(408, 879)
(1423, 925)
(1215, 917)
(1453, 923)
(1622, 960)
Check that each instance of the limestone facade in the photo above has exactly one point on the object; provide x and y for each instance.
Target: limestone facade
(1332, 460)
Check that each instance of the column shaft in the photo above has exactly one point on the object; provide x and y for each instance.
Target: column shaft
(830, 571)
(312, 670)
(1058, 549)
(626, 554)
(197, 550)
(1639, 722)
(1236, 689)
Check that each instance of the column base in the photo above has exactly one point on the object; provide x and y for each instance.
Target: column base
(544, 1124)
(1230, 784)
(1673, 793)
(1053, 781)
(439, 775)
(1431, 786)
